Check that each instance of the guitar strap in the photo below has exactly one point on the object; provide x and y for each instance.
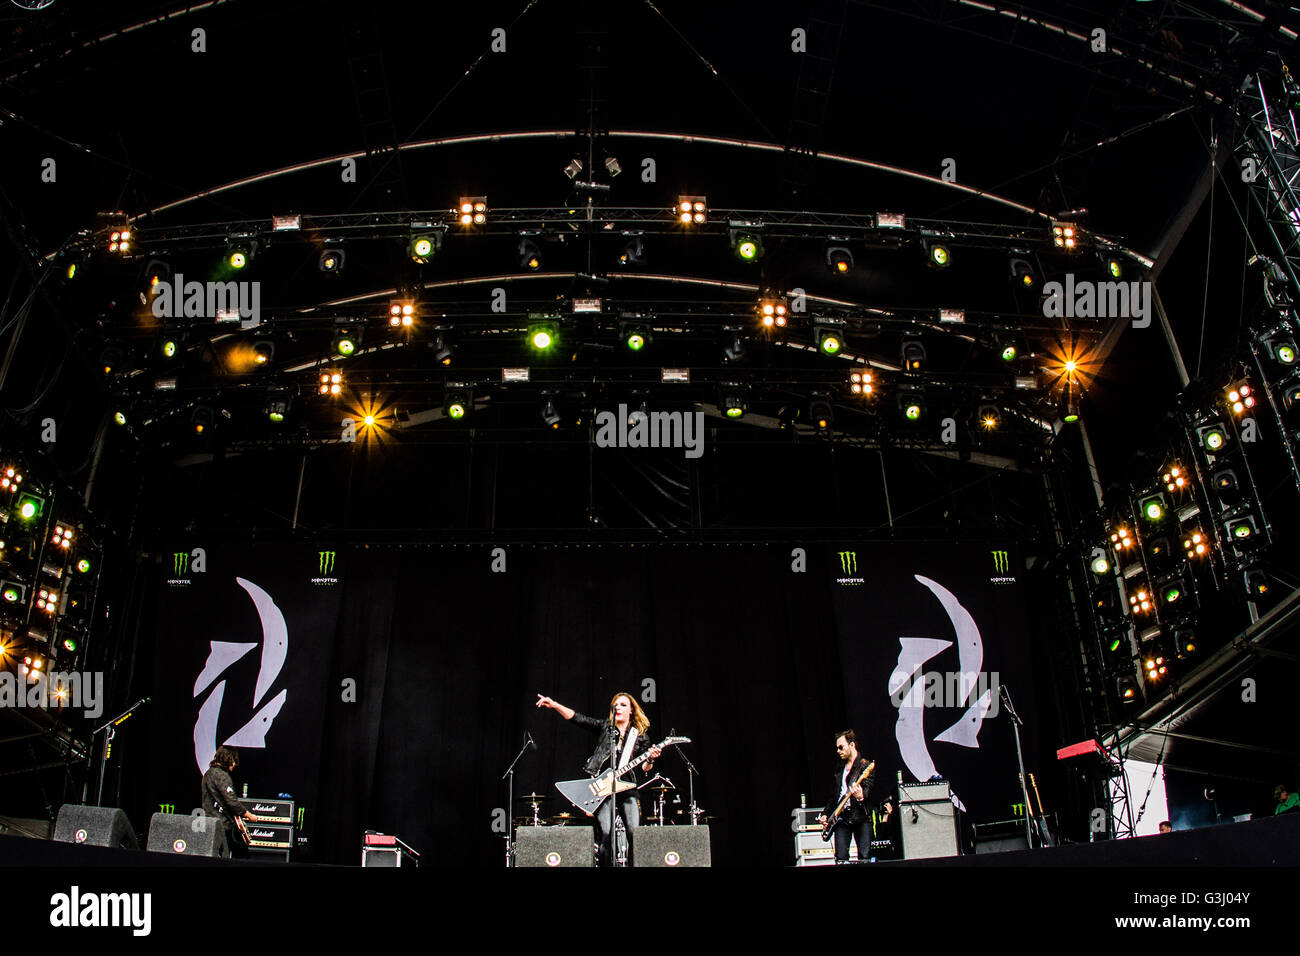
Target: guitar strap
(628, 748)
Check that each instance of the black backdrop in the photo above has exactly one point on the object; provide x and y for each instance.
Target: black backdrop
(730, 644)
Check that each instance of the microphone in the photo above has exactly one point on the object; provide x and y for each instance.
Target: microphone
(530, 742)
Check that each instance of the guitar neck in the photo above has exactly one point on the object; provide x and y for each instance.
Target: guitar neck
(637, 761)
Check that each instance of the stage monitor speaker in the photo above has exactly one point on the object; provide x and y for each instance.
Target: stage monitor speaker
(928, 820)
(96, 826)
(186, 835)
(554, 846)
(1001, 844)
(671, 846)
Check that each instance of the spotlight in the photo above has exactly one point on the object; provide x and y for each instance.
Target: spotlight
(1121, 541)
(110, 359)
(733, 346)
(1065, 235)
(1153, 507)
(277, 410)
(829, 339)
(820, 414)
(331, 261)
(201, 419)
(938, 256)
(911, 402)
(1241, 398)
(1195, 545)
(574, 168)
(732, 401)
(913, 354)
(472, 210)
(530, 257)
(633, 253)
(1242, 531)
(169, 348)
(331, 384)
(442, 351)
(119, 418)
(1184, 643)
(839, 260)
(542, 335)
(1128, 689)
(11, 592)
(692, 210)
(1175, 479)
(1070, 411)
(1174, 592)
(1281, 347)
(1099, 564)
(345, 342)
(746, 244)
(424, 244)
(83, 566)
(1140, 601)
(1114, 269)
(1213, 438)
(634, 335)
(62, 537)
(550, 415)
(773, 312)
(30, 506)
(401, 313)
(1258, 584)
(263, 351)
(240, 253)
(990, 417)
(47, 601)
(860, 383)
(1022, 272)
(612, 166)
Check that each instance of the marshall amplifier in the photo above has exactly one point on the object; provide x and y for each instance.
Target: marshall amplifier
(271, 837)
(271, 811)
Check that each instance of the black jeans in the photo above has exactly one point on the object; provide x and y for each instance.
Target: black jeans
(603, 819)
(860, 833)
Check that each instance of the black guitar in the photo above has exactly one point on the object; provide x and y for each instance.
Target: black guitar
(587, 795)
(834, 818)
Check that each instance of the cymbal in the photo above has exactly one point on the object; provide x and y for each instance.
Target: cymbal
(532, 798)
(662, 788)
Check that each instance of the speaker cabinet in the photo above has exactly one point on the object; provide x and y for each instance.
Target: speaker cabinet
(671, 846)
(554, 846)
(178, 833)
(96, 826)
(928, 820)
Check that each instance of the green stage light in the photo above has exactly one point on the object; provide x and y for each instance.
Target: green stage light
(169, 349)
(238, 260)
(69, 644)
(829, 341)
(1009, 353)
(912, 412)
(542, 337)
(455, 410)
(83, 566)
(119, 418)
(1100, 565)
(939, 256)
(1114, 268)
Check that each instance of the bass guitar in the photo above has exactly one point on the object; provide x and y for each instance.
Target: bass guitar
(587, 795)
(834, 818)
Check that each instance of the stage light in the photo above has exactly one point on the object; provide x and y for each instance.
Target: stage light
(119, 241)
(938, 256)
(633, 253)
(83, 566)
(1022, 272)
(425, 241)
(62, 537)
(772, 312)
(1140, 601)
(860, 383)
(911, 403)
(1114, 268)
(733, 346)
(1258, 584)
(692, 210)
(1242, 531)
(331, 383)
(240, 253)
(30, 506)
(1174, 592)
(110, 359)
(278, 402)
(1065, 235)
(443, 351)
(634, 335)
(1128, 690)
(473, 210)
(573, 168)
(1213, 438)
(990, 417)
(1195, 545)
(829, 341)
(456, 404)
(169, 348)
(1241, 398)
(746, 244)
(550, 415)
(732, 401)
(1100, 565)
(820, 414)
(47, 600)
(202, 419)
(119, 418)
(542, 336)
(913, 355)
(345, 342)
(331, 261)
(1184, 643)
(1175, 479)
(69, 645)
(1121, 540)
(1281, 347)
(1153, 507)
(1009, 352)
(530, 257)
(612, 166)
(10, 480)
(839, 260)
(401, 313)
(12, 592)
(263, 351)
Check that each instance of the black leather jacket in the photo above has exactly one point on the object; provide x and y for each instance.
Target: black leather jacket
(219, 796)
(599, 760)
(857, 810)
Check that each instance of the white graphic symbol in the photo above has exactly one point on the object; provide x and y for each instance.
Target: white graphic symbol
(914, 652)
(275, 646)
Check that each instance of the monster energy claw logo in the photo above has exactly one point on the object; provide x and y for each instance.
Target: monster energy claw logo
(1000, 563)
(326, 561)
(166, 808)
(301, 811)
(849, 562)
(180, 562)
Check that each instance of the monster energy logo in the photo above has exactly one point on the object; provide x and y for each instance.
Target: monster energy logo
(166, 808)
(1000, 563)
(326, 561)
(181, 562)
(301, 812)
(849, 562)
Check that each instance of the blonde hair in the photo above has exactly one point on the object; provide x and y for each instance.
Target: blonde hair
(639, 720)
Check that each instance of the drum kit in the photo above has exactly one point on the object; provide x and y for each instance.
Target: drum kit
(663, 811)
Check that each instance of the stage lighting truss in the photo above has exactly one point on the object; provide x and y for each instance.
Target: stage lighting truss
(472, 210)
(732, 399)
(861, 384)
(1066, 236)
(692, 210)
(401, 312)
(1241, 398)
(330, 384)
(829, 335)
(773, 311)
(891, 220)
(746, 241)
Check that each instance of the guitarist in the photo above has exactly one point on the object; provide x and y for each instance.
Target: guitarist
(626, 719)
(219, 798)
(854, 823)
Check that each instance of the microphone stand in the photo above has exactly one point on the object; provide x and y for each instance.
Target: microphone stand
(509, 776)
(107, 729)
(1016, 724)
(613, 797)
(691, 771)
